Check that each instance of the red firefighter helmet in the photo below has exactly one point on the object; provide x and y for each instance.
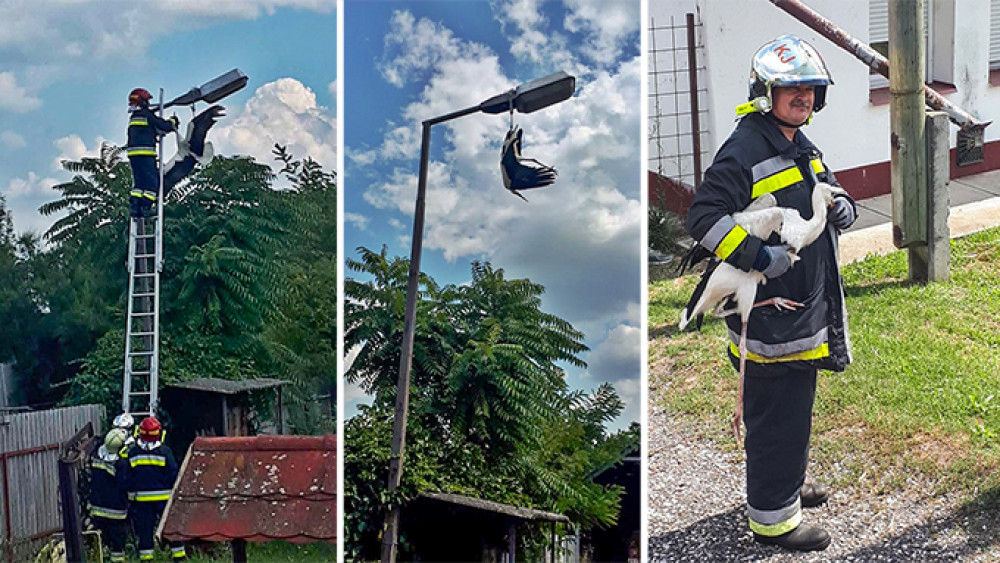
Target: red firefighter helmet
(150, 429)
(139, 97)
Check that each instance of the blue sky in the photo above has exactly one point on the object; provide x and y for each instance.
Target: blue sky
(66, 69)
(408, 61)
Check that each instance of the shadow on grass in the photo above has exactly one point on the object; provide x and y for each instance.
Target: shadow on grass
(876, 288)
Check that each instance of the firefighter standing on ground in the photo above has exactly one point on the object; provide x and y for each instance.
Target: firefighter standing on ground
(144, 131)
(152, 472)
(767, 153)
(108, 497)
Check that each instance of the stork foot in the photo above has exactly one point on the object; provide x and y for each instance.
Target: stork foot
(779, 303)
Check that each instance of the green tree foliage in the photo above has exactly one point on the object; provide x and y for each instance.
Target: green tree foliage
(238, 298)
(490, 413)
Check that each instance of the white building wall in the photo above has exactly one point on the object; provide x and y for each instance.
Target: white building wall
(850, 131)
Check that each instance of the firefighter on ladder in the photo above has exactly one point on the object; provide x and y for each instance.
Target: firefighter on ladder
(108, 498)
(152, 471)
(144, 130)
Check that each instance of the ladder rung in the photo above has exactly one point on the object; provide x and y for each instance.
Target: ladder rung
(141, 353)
(144, 256)
(142, 334)
(149, 314)
(133, 393)
(143, 294)
(143, 275)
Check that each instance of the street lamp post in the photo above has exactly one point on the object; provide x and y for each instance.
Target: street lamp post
(526, 98)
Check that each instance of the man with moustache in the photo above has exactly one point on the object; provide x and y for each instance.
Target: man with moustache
(768, 153)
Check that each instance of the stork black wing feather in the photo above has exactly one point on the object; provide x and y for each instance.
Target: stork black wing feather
(699, 290)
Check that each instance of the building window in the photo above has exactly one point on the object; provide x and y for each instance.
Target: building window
(878, 38)
(994, 35)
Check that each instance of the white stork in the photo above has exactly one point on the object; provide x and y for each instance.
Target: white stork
(722, 281)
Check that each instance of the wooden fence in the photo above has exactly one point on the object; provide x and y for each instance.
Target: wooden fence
(29, 468)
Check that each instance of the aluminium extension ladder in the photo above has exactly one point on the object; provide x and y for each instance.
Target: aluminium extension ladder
(142, 333)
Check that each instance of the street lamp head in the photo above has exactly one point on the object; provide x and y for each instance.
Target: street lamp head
(532, 96)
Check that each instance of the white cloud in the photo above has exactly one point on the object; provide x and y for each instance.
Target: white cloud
(14, 97)
(617, 356)
(31, 187)
(72, 147)
(243, 8)
(12, 140)
(283, 112)
(606, 25)
(531, 38)
(332, 88)
(357, 219)
(414, 47)
(64, 31)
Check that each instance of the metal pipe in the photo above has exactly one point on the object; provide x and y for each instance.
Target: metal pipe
(693, 86)
(873, 59)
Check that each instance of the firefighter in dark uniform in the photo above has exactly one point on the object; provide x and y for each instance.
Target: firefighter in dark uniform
(144, 130)
(767, 153)
(152, 471)
(108, 497)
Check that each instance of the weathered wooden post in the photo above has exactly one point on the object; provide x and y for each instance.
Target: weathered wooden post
(938, 171)
(906, 118)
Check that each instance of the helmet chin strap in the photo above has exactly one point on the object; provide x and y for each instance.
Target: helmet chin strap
(787, 124)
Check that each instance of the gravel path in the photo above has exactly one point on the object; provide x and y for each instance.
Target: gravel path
(697, 512)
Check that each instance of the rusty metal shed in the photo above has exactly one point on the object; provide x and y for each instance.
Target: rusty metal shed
(259, 488)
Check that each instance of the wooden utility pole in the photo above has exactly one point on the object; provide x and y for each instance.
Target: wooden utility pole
(906, 117)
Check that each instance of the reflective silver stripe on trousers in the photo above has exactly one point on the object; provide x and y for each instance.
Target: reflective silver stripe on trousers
(719, 230)
(782, 348)
(769, 167)
(771, 517)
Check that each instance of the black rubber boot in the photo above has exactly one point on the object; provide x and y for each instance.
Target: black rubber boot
(813, 494)
(803, 538)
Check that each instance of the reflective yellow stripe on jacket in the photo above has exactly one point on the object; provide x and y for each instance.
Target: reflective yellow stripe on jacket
(821, 351)
(109, 513)
(156, 460)
(783, 178)
(150, 496)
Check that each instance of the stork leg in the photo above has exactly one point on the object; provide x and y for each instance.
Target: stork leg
(779, 303)
(738, 413)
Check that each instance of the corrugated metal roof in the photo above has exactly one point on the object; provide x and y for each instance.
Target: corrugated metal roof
(227, 386)
(522, 513)
(259, 488)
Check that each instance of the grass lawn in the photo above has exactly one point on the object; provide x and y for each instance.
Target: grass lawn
(922, 396)
(271, 552)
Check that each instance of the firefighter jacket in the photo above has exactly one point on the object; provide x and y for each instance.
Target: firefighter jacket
(108, 496)
(758, 159)
(151, 473)
(144, 126)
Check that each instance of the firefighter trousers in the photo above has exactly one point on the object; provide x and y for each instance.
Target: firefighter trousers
(147, 515)
(778, 401)
(113, 534)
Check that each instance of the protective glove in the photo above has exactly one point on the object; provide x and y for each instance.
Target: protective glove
(175, 120)
(842, 215)
(778, 260)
